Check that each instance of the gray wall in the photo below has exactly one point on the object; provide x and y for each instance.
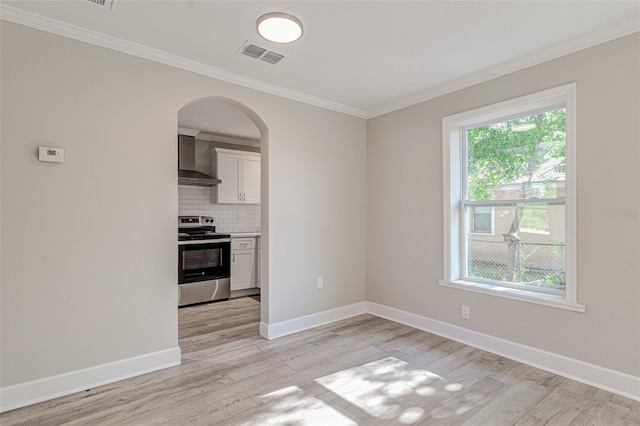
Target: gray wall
(89, 247)
(405, 252)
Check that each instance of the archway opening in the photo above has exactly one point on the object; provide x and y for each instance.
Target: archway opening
(229, 142)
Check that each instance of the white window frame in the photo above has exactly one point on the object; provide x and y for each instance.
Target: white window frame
(454, 162)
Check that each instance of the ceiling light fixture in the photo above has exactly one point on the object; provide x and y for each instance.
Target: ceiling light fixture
(279, 27)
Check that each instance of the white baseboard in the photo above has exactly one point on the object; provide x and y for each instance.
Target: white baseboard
(283, 328)
(264, 329)
(590, 374)
(23, 394)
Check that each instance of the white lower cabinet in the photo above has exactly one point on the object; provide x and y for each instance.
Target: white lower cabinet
(243, 263)
(258, 262)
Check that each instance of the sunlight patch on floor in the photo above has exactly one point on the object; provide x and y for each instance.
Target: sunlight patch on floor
(390, 389)
(294, 406)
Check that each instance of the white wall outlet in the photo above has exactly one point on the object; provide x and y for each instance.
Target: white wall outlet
(320, 282)
(465, 312)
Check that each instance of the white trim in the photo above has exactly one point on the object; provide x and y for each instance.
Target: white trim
(188, 132)
(18, 16)
(534, 101)
(23, 394)
(571, 200)
(264, 329)
(235, 140)
(590, 374)
(295, 325)
(597, 36)
(234, 152)
(453, 148)
(514, 202)
(544, 299)
(215, 137)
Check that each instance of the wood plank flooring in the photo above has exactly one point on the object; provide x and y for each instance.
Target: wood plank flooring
(361, 371)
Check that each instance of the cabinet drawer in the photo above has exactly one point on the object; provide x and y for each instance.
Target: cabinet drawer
(243, 243)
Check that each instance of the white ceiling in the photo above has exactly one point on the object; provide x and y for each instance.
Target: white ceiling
(362, 58)
(215, 118)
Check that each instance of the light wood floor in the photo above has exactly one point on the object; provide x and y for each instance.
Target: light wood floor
(361, 371)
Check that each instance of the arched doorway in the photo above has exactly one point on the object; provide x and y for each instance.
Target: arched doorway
(220, 124)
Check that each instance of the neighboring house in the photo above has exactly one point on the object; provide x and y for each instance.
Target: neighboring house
(540, 252)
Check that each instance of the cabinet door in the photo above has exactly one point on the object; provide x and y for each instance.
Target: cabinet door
(251, 179)
(242, 269)
(258, 262)
(229, 167)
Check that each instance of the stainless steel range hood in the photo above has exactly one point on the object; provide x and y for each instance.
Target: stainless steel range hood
(187, 173)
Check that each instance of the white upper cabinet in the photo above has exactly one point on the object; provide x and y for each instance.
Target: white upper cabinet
(228, 170)
(251, 178)
(240, 175)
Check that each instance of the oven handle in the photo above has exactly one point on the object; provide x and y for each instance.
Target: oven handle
(190, 242)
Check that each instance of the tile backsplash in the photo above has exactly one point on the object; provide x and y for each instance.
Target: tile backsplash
(195, 201)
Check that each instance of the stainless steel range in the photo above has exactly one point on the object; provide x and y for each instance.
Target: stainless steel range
(204, 262)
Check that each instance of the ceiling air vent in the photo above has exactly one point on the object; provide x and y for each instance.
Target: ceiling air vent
(255, 51)
(104, 4)
(272, 57)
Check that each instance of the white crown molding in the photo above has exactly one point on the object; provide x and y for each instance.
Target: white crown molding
(592, 38)
(18, 16)
(235, 140)
(216, 137)
(188, 132)
(599, 35)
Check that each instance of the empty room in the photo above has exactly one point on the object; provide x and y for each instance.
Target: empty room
(319, 213)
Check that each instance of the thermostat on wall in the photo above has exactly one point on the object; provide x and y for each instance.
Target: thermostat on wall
(51, 154)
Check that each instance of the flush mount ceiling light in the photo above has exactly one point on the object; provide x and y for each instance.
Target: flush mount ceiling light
(279, 27)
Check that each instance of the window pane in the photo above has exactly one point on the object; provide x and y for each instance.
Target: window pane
(520, 158)
(482, 219)
(532, 256)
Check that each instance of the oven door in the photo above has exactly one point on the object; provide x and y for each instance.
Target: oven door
(203, 260)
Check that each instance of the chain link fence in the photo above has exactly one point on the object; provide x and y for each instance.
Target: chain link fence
(535, 264)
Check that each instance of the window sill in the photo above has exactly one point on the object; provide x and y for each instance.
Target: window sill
(515, 294)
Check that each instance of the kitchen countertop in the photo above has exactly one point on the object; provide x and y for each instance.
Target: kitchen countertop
(245, 234)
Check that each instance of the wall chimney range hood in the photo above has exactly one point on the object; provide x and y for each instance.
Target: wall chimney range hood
(187, 173)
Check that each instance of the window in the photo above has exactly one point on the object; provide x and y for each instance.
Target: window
(510, 199)
(481, 220)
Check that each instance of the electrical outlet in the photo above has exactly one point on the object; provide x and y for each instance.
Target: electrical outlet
(320, 282)
(465, 312)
